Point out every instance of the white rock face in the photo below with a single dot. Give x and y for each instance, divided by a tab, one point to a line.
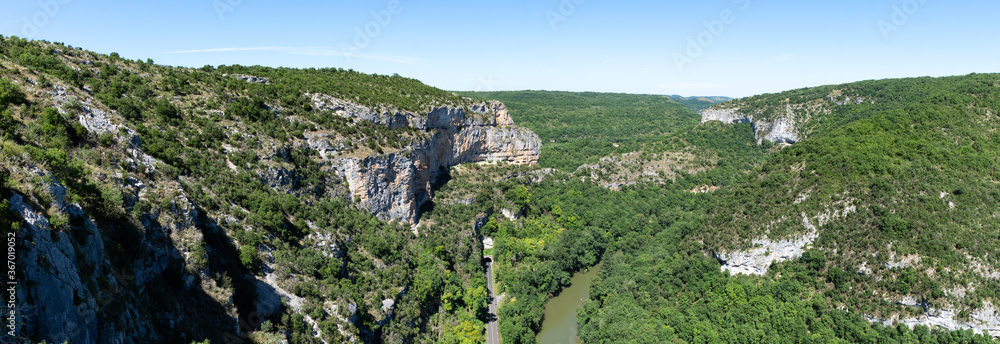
387	305
491	113
985	319
252	79
758	259
724	116
510	214
394	186
783	131
780	130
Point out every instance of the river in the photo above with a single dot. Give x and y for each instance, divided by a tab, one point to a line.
559	324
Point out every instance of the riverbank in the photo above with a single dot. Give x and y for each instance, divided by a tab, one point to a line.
559	324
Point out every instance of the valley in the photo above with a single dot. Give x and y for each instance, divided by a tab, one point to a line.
249	204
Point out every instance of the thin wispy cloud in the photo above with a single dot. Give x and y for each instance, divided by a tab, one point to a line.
311	51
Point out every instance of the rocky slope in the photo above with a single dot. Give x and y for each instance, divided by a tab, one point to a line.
73	284
162	205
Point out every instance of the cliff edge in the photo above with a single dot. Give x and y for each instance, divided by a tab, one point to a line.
393	185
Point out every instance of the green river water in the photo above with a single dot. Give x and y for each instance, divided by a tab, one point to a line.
559	324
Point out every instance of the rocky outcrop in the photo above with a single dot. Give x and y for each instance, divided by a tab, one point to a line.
757	259
252	79
985	319
395	185
491	113
781	131
97	121
788	121
73	285
724	116
70	291
391	119
777	130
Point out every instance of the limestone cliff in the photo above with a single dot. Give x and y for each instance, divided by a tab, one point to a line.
777	130
789	117
396	184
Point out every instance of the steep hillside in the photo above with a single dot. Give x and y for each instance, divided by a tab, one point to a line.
158	204
903	200
886	216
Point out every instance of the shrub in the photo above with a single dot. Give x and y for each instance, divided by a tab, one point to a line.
113	200
167	112
7	124
253	110
249	257
10	94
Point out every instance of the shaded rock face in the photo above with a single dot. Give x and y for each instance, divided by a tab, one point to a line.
394	186
60	299
57	317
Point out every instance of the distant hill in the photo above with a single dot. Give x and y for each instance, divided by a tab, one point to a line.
699	103
581	127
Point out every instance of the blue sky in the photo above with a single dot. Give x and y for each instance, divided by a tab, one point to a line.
714	47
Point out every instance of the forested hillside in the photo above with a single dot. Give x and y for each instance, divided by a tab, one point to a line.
901	198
